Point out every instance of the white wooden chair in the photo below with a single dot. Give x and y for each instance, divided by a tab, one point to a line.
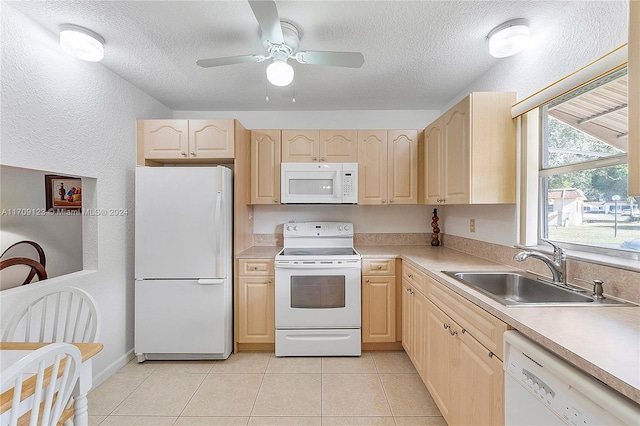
53	370
62	314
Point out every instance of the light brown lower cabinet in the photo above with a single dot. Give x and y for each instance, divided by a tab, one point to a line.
378	301
256	301
465	379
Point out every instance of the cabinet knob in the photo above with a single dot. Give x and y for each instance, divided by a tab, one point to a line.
379	266
410	275
446	326
321	158
384	201
367	280
491	354
412	292
315	158
255	267
193	154
275	200
391	201
184	154
270	281
452	332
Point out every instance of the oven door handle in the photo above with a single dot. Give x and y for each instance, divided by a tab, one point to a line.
353	265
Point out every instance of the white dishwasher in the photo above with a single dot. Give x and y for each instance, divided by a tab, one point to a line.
543	389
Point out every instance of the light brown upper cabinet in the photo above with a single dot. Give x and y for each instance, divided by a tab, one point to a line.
470	152
331	146
193	140
265	166
387	167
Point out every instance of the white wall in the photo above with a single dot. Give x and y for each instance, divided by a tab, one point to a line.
22	202
584	32
71	117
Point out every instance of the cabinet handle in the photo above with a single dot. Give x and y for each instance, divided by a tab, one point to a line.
379	266
464	331
408	289
193	154
446	326
275	200
315	158
452	332
184	154
384	201
367	280
409	275
391	201
255	267
270	281
491	354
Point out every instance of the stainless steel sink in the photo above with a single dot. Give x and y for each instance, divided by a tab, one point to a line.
525	289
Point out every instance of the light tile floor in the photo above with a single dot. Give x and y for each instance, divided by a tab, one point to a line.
377	388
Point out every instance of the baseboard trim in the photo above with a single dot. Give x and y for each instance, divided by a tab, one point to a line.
113	368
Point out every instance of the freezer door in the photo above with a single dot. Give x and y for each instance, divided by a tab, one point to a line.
183	222
183	317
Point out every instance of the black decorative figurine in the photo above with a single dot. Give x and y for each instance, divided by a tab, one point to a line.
434	224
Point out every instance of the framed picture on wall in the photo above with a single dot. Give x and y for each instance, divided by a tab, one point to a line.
62	192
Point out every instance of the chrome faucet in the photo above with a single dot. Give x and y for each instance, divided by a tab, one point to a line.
558	265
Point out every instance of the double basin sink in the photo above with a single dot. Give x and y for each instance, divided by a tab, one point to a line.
525	289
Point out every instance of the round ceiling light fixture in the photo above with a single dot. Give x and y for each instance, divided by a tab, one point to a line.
280	73
509	38
81	43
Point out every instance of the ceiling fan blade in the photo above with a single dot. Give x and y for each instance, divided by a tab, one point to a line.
229	60
337	59
266	13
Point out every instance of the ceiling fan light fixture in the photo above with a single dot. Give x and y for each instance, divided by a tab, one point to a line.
81	43
509	38
280	73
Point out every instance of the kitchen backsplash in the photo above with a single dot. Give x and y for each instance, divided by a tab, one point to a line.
620	283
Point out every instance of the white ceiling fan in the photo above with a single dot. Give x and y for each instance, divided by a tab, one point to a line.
281	39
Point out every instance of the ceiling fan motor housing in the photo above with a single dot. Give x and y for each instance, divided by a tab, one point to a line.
291	36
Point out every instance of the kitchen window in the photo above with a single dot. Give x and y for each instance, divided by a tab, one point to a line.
583	174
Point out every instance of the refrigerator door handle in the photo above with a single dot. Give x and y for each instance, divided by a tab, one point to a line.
218	232
211	281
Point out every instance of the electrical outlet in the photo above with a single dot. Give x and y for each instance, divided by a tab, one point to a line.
472	225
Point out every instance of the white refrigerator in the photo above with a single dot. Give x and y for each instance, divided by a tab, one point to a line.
183	263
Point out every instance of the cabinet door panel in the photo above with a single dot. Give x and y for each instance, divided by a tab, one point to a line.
433	165
403	166
456	154
439	352
166	139
419	326
300	145
481	393
257	315
211	138
265	166
407	312
372	167
378	309
339	146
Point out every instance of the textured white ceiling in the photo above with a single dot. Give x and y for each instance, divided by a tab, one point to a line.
418	54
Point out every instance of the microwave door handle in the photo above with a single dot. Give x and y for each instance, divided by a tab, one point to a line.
338	188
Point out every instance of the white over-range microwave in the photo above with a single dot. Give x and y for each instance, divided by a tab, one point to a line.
319	183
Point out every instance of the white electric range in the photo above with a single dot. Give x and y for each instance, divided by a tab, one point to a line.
318	291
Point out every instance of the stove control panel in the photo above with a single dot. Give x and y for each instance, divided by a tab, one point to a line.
318	229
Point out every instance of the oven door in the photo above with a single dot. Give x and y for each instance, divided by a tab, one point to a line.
317	295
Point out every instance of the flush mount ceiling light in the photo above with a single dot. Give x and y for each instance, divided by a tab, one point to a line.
509	38
280	73
81	43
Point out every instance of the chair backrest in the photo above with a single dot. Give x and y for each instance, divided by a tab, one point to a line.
63	314
21	263
53	370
